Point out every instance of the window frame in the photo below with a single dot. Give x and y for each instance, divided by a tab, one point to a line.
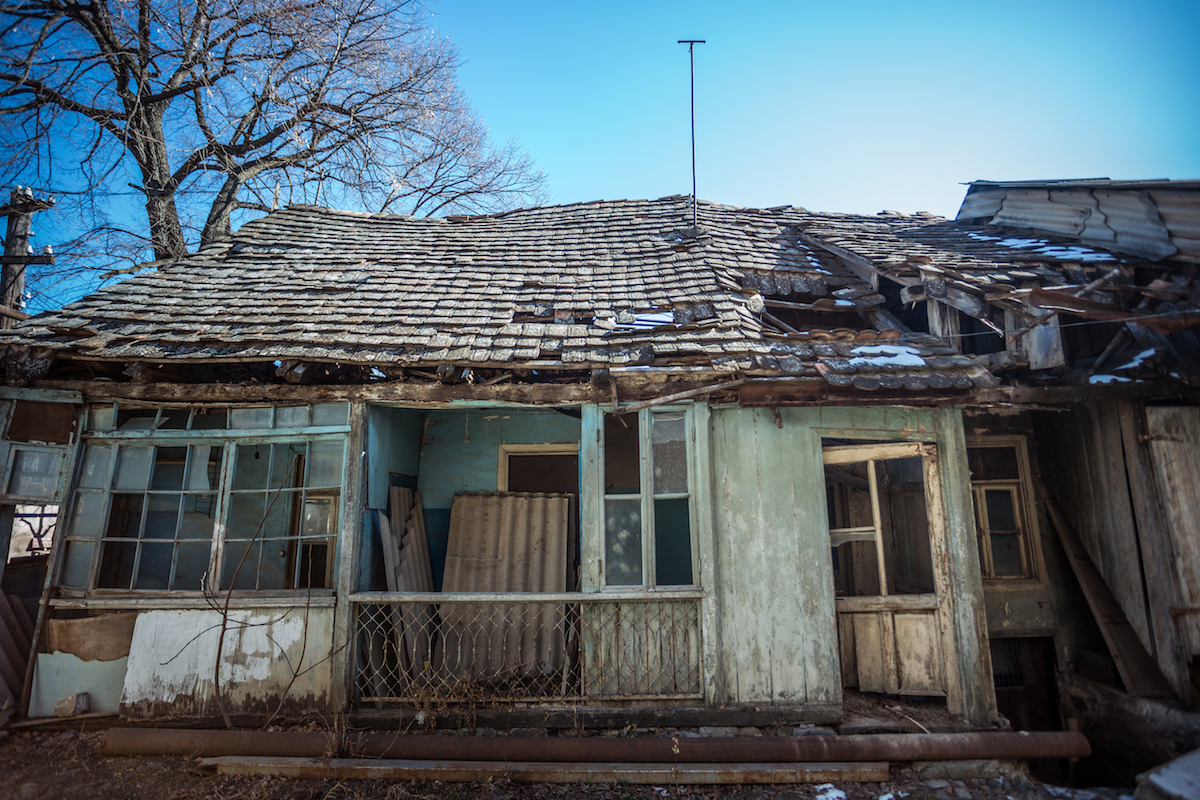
647	497
1023	509
870	453
227	440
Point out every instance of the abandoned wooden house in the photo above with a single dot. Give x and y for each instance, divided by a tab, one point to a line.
595	463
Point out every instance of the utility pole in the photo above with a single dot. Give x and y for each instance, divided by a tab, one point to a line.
17	252
691	43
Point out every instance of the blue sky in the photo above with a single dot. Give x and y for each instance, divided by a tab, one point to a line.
852	106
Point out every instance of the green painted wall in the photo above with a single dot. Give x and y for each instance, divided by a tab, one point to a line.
773	581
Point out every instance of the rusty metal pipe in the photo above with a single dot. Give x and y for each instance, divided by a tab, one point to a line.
867	747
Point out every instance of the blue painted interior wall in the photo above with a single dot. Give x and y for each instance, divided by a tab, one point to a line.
393	457
460	453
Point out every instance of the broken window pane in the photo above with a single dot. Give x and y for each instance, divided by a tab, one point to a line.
325	464
992	463
898	531
102	418
622	471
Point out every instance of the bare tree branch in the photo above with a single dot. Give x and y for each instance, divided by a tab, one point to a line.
199	110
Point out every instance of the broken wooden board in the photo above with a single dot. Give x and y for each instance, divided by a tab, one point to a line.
1139	672
550	772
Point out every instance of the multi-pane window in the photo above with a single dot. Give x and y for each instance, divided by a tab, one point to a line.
878	518
179	499
999	485
648	531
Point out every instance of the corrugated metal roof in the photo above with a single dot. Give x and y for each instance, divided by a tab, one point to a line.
1151	219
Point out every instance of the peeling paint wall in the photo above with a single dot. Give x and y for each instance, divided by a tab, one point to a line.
460	453
269	654
774	589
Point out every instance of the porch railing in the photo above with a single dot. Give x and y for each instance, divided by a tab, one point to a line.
415	649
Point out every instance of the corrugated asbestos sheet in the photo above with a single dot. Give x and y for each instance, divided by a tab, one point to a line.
1151	219
504	542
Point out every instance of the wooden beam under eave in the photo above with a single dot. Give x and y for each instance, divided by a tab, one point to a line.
391	392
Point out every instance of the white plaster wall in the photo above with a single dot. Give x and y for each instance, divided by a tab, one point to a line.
267	654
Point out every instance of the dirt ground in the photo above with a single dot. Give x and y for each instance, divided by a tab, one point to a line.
65	766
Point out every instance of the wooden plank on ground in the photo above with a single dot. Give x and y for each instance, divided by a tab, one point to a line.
1138	670
550	772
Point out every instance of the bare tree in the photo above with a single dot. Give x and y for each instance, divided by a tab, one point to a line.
211	110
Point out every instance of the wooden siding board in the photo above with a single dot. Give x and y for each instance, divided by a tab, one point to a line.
1111	536
1174	442
1155	542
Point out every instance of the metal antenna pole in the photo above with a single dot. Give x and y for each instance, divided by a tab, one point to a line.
691	43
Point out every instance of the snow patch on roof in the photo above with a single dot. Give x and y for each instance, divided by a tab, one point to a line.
1107	379
1058	251
886	355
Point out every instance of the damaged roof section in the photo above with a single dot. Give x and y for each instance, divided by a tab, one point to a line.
593	285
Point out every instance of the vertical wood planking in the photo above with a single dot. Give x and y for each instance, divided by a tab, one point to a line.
352	528
965	650
1174	442
1155	545
591	498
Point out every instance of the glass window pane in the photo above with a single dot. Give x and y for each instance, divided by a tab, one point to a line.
623	542
96	459
87	518
102	418
168	468
668	439
325	464
249	517
1006	555
125	516
191	563
317	517
116	564
154	566
250	418
1000	510
34	474
162	516
272	568
672	543
77	562
291	417
622	471
133	468
330	414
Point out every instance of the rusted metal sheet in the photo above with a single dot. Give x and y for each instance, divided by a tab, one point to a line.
1174	441
268	655
549	772
747	749
503	542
